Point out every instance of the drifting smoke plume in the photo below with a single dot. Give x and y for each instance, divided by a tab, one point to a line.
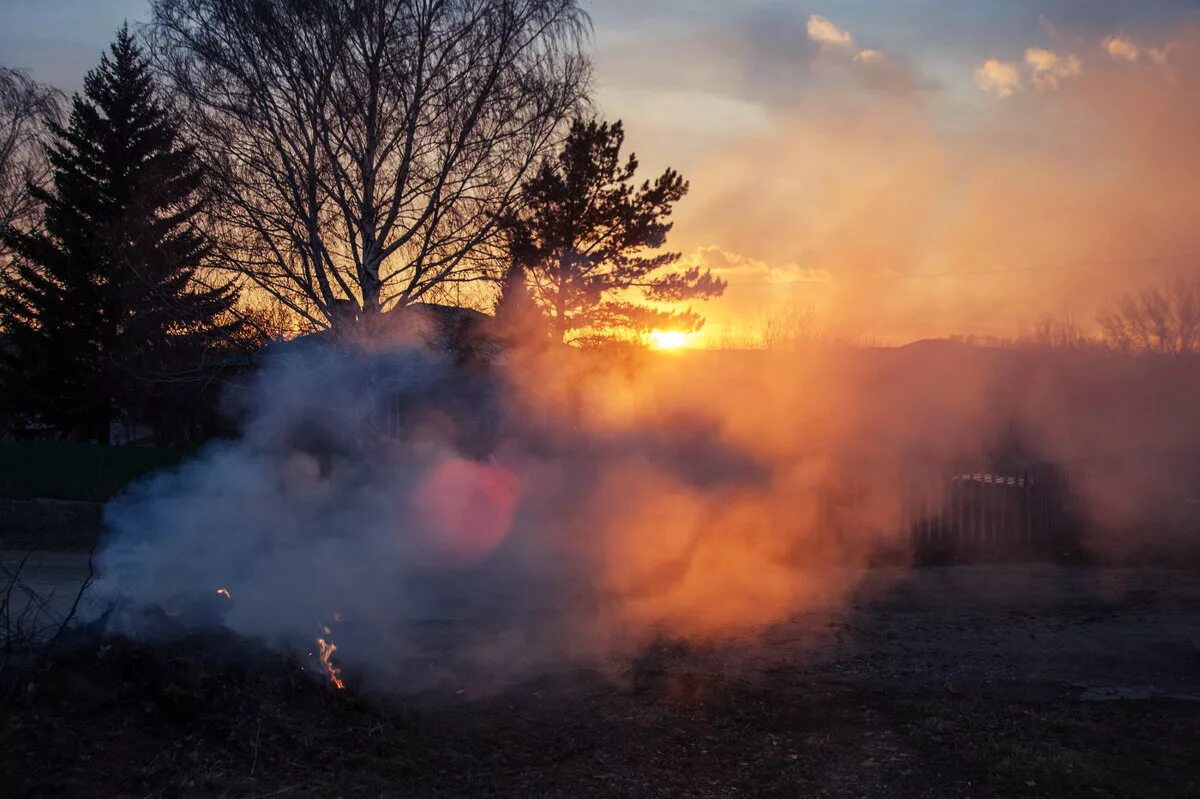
560	508
564	510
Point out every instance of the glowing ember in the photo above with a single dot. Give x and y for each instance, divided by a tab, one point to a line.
225	593
669	339
326	650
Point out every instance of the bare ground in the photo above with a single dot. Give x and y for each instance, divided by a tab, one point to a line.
959	681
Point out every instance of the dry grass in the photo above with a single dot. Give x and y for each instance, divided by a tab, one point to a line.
209	716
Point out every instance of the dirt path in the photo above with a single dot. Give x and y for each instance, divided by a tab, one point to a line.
1023	627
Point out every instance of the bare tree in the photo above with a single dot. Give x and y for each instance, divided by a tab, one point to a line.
25	109
1162	319
1054	333
364	149
791	327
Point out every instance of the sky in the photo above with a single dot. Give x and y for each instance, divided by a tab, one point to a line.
896	170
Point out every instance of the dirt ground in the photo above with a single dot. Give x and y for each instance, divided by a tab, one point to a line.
1018	680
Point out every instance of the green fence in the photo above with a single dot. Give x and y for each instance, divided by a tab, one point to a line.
84	472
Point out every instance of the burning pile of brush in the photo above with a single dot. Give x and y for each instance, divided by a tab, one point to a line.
325	648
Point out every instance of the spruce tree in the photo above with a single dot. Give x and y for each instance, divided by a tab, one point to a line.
105	319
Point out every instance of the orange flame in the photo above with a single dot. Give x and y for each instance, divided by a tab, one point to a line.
326	650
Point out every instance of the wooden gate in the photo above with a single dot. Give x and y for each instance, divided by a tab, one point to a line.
980	515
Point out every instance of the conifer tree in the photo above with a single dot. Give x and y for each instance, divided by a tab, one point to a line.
592	240
519	320
105	318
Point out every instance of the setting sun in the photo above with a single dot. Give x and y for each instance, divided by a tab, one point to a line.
669	339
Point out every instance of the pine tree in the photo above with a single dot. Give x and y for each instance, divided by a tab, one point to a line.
105	319
595	241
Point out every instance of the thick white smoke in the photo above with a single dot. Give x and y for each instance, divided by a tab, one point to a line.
319	515
438	519
401	507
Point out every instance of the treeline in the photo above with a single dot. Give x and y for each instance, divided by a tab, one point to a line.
239	172
1162	319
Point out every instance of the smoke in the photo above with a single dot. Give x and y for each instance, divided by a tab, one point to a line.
476	525
562	509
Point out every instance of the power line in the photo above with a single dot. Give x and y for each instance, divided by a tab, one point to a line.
979	273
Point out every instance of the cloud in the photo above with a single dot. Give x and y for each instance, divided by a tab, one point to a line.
761	56
827	34
1049	68
1046	71
1047	203
1122	49
823	31
999	77
746	270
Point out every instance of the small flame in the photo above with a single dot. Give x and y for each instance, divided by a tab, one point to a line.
327	648
225	593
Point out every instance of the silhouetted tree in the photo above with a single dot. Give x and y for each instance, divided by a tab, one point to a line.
1050	333
519	320
26	108
1162	319
104	317
792	327
595	239
365	149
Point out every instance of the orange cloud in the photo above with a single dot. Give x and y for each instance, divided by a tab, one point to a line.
823	31
1050	68
1122	49
999	77
741	267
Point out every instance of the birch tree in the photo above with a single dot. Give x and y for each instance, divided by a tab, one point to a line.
25	109
364	150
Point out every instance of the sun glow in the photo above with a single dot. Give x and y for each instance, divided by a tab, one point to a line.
669	339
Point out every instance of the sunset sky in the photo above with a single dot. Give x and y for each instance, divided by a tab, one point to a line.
906	169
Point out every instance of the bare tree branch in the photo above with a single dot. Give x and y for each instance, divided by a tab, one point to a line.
27	109
366	148
1163	319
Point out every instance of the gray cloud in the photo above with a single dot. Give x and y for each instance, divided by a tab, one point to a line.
763	54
